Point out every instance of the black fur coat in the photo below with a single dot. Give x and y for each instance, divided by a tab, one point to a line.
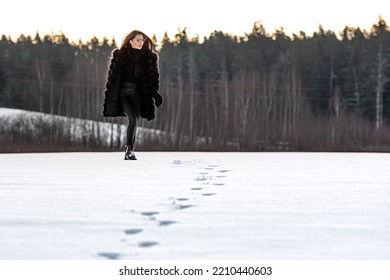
150	84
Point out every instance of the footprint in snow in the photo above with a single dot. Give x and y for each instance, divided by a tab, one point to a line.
147	244
166	223
109	255
208	194
133	231
149	214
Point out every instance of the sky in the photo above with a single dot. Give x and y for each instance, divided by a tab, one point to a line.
83	19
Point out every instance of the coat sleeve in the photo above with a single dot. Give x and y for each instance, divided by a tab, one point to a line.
108	105
156	81
151	85
111	102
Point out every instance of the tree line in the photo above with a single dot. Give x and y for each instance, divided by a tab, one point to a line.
261	91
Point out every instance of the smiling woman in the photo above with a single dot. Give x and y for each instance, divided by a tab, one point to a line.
82	19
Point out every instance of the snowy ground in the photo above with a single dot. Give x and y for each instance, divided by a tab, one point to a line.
195	206
77	130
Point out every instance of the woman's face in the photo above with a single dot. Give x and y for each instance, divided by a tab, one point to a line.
137	42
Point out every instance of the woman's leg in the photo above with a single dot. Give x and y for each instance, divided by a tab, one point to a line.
131	107
132	118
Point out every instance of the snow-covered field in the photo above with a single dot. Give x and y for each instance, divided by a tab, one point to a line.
77	130
195	206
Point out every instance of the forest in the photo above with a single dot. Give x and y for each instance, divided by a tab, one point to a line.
326	91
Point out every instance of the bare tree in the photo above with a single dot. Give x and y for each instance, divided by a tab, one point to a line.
380	81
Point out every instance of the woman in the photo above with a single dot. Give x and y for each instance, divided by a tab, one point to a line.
132	85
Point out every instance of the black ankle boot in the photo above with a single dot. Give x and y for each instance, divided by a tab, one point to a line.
129	153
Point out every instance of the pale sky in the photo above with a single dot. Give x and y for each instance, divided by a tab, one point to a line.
115	18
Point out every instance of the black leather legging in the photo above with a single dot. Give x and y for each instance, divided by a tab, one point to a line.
131	106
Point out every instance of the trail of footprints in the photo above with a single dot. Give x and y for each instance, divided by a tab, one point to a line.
209	179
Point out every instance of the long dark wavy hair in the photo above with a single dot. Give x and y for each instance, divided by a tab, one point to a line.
148	44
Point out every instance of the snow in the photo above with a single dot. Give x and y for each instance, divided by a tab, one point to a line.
176	205
30	122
